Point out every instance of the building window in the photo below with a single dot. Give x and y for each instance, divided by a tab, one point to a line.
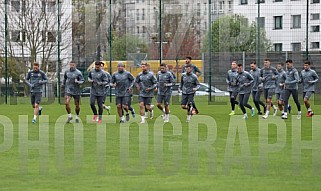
260	1
315	1
205	8
51	36
137	30
15	36
143	14
315	16
144	29
221	6
261	22
48	6
230	4
15	5
198	13
315	45
277	22
278	0
137	1
278	47
243	2
296	21
315	28
137	14
296	47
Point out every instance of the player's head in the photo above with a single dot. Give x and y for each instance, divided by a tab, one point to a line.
120	66
307	64
98	65
163	67
267	63
36	66
280	66
233	65
188	59
144	66
188	69
253	65
239	68
72	65
289	63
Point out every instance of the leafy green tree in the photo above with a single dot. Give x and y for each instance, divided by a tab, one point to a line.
235	34
126	44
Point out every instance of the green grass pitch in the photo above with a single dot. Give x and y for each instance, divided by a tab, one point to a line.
213	152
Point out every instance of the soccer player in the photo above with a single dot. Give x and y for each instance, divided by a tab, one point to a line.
232	87
291	88
309	78
268	76
146	83
189	85
256	89
123	82
245	81
98	79
150	71
279	89
73	78
195	69
35	79
165	81
107	86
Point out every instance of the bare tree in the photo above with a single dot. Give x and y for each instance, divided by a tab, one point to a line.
33	31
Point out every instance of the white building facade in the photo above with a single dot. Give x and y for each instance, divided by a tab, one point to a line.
285	22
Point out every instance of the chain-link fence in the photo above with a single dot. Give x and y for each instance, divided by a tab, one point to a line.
56	32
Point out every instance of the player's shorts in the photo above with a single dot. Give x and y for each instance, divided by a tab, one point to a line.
307	95
163	99
268	93
233	94
280	96
187	98
76	97
145	100
122	100
35	97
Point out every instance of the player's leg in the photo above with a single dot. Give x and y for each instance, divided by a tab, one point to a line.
149	106
166	107
77	106
67	105
241	104
100	108
287	94
247	105
295	95
306	98
34	105
142	109
93	107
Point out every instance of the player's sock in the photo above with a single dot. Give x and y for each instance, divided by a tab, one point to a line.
35	117
69	115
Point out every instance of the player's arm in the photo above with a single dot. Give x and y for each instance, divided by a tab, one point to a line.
65	79
27	81
131	80
250	77
90	79
315	77
80	79
197	85
198	71
154	82
44	78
